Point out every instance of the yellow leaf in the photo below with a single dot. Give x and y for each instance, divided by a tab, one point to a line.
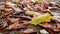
35	1
40	19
